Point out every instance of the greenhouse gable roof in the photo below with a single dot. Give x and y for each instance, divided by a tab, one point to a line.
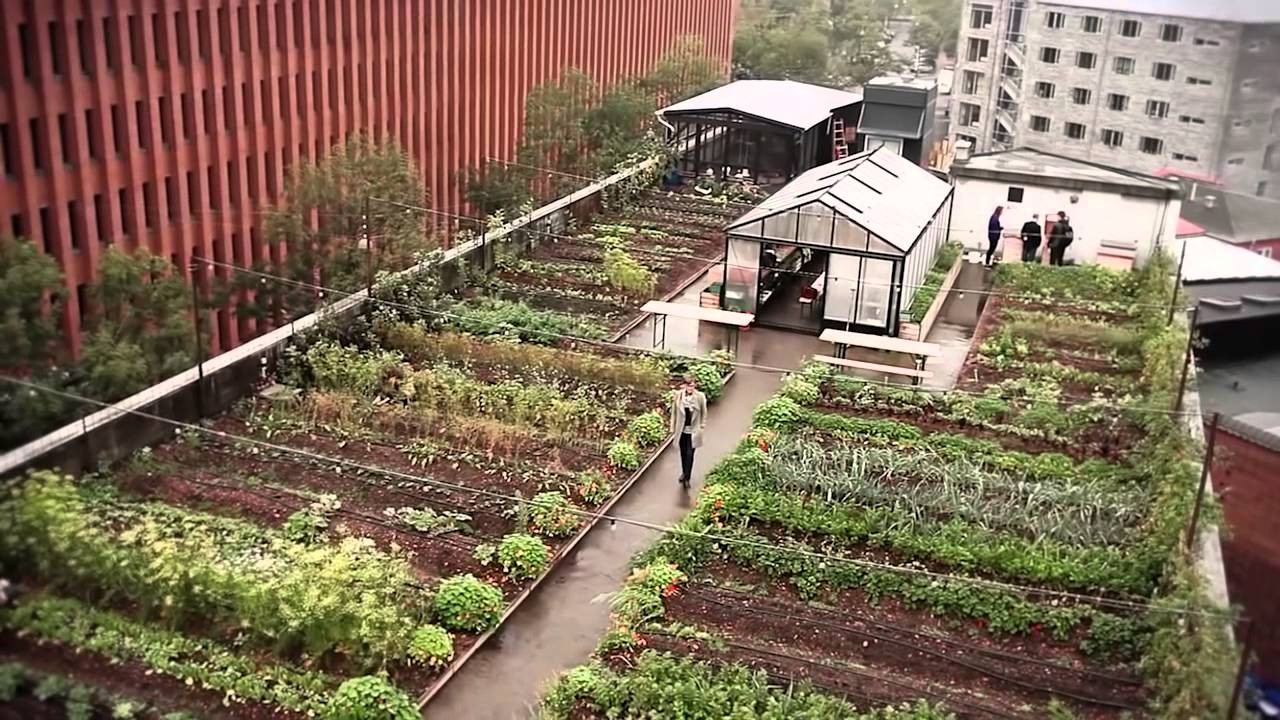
879	190
785	102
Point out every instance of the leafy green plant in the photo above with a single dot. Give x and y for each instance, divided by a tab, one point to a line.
467	603
80	701
51	687
551	514
337	367
309	524
707	378
641	597
490	316
627	274
371	697
431	645
429	520
799	389
12	677
126	709
623	454
593	487
523	557
777	413
647	430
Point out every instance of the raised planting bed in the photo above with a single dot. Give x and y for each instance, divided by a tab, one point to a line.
858	561
381	512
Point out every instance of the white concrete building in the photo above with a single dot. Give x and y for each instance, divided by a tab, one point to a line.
1117	216
1137	84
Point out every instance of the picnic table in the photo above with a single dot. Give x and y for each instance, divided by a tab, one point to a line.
843	339
733	322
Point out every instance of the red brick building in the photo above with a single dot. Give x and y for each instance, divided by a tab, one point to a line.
167	123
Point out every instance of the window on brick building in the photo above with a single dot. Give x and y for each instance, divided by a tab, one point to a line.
126	212
110	43
84	46
182	36
143	117
264	39
27	48
282	95
251	174
39	144
242	19
64	138
57	48
193	193
224	31
172	202
135	41
188	115
6	151
75	221
16	226
166	120
211	180
246	100
101	218
159	39
228	108
47	231
282	28
203	33
148	205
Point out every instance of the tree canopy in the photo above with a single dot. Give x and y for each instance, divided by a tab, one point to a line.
30	300
837	42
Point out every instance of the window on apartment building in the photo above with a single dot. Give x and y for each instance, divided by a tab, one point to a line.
1049	55
1256	46
188	114
117	128
1122	65
300	93
1261	191
39	143
251	175
101	218
1117	102
166	120
203	33
148	205
64	137
1150	145
269	167
211	182
299	33
1206	41
6	151
264	38
143	117
224	31
1162	71
264	99
1157	109
978	50
1055	20
1171	32
84	46
92	131
1130	28
1086	60
970	115
1183	157
27	48
1112	138
282	95
1044	90
172	203
228	107
246	103
126	212
1235	161
136	52
47	231
1091	24
969	82
1040	123
1081	96
1192	80
233	184
333	89
1271	157
110	43
182	36
193	193
57	48
1241	123
980	17
242	19
159	38
1074	130
282	28
1190	120
17	228
75	224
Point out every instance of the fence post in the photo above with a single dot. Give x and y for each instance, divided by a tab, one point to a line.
1246	648
1177	283
1204	479
1186	360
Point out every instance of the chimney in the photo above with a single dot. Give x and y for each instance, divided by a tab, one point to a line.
963	149
1210	201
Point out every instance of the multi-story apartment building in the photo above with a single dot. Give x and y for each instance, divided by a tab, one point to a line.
169	124
1137	84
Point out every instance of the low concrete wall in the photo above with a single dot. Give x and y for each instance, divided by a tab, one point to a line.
931	316
140	420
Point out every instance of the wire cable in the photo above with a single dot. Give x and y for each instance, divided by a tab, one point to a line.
1098	600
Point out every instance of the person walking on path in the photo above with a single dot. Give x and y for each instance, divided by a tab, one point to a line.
1031	239
1060	238
688	420
994	229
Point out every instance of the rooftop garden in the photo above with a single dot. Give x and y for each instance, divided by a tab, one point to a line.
1012	548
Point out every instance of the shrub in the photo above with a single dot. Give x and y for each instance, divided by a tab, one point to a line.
489	316
371	697
799	389
551	514
624	454
467	603
335	367
648	429
52	687
79	705
707	378
627	274
593	487
431	645
777	413
11	679
523	557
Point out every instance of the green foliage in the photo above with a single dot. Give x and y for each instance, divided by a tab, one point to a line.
80	701
648	429
431	645
338	367
523	557
198	661
124	709
777	413
490	316
12	678
707	378
928	290
467	603
623	454
640	598
182	564
31	291
51	687
593	487
840	43
937	24
551	514
309	524
371	697
669	686
797	388
627	274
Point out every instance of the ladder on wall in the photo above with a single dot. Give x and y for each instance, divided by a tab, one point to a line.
839	146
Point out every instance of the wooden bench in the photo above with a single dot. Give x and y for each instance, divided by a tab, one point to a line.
732	321
874	367
921	351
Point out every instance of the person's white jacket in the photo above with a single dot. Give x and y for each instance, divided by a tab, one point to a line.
699	414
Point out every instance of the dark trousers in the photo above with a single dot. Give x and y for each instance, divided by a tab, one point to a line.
1029	251
992	242
1055	253
686	455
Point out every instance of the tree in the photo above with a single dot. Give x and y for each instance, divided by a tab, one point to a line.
143	327
839	42
858	39
937	24
31	289
361	188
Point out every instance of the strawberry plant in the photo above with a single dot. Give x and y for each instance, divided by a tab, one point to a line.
467	603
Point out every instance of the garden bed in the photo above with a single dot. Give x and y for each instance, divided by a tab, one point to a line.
420	483
942	554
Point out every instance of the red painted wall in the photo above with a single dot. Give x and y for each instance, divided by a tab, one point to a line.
168	124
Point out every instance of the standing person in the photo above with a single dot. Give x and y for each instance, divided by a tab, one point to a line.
688	419
993	234
1031	238
1060	237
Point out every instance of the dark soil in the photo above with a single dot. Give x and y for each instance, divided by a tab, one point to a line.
870	638
130	679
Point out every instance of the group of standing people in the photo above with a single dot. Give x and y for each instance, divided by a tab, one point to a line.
1061	235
